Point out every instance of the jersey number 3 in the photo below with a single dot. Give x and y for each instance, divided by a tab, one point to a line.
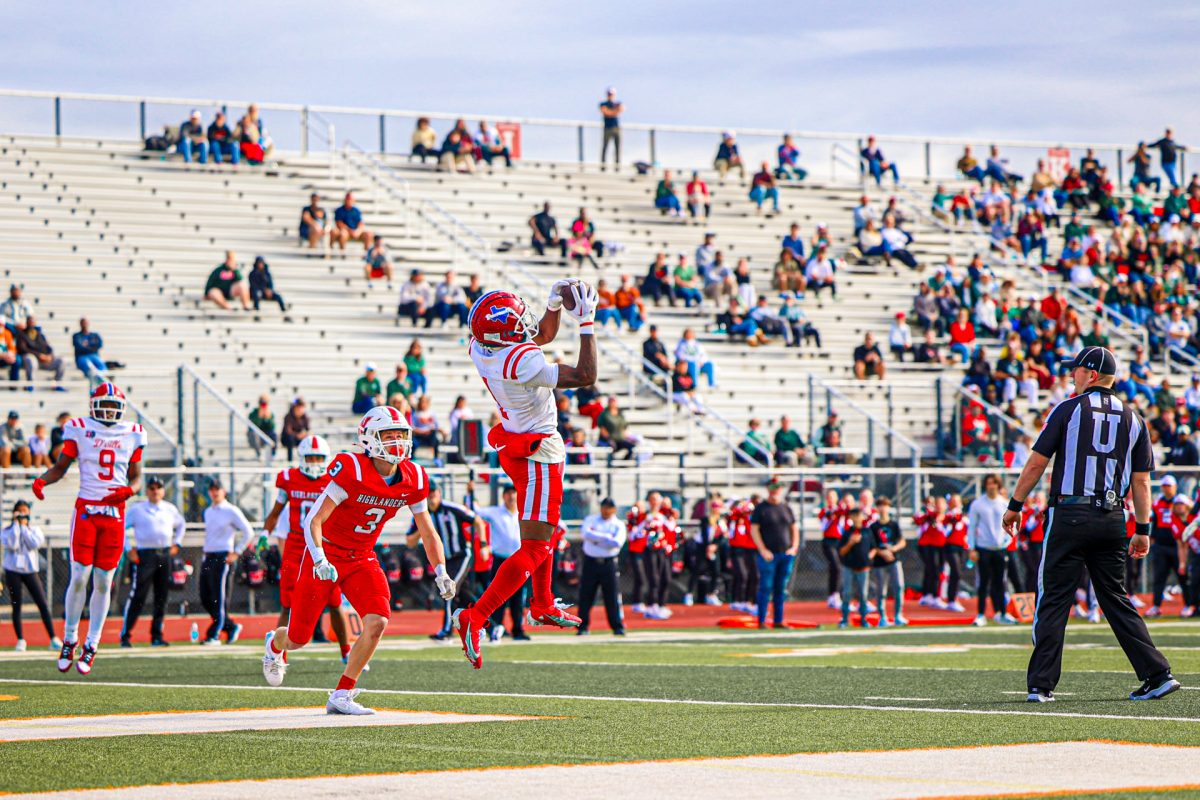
373	517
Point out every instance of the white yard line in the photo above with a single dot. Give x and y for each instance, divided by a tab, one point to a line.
1044	769
610	699
903	699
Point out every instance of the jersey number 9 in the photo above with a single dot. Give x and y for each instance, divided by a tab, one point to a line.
108	461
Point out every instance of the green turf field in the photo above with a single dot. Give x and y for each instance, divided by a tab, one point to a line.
649	696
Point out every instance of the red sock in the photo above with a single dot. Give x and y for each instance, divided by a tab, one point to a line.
345	650
274	649
346	683
512	575
543	594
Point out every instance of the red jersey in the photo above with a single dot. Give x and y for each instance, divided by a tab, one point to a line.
1178	524
928	533
1033	525
739	526
367	501
637	534
299	493
832	519
955	528
1160	512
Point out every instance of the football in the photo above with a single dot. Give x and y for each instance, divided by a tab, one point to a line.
567	295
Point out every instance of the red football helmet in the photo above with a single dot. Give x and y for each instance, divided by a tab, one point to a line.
108	403
502	318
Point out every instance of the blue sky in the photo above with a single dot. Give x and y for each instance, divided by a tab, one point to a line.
1071	70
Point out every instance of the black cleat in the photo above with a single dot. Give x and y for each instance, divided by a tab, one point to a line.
1040	696
126	643
159	643
1155	688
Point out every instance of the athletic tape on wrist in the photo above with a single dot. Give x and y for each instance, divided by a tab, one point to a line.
439	570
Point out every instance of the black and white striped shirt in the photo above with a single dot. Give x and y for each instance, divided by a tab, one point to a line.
448	521
1097	442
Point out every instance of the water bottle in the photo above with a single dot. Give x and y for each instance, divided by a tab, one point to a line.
195	634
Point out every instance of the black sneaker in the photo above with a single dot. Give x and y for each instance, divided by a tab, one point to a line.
159	643
1155	688
126	643
1040	696
440	636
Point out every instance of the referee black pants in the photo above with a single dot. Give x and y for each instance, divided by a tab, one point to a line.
214	594
151	571
1078	537
602	574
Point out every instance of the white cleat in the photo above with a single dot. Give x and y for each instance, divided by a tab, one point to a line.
341	701
980	621
274	666
21	646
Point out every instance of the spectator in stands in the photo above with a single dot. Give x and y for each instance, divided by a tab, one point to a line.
968	165
56	435
683	388
545	232
262	285
987	315
252	137
424	141
491	144
706	253
377	263
665	199
34	349
654	352
685	283
794	241
776	534
348	225
729	157
15	309
225	283
582	228
606	304
220	140
296	426
263	418
312	221
737	322
628	302
698	197
819	272
790	450
13	443
1041	179
414	359
399	385
864	212
192	140
367	391
610	110
868	360
449	300
10	361
1031	233
691	352
1168	155
877	164
755	447
474	289
997	168
926	352
763	188
925	307
457	153
789	274
426	432
789	157
895	244
87	346
1141	169
719	281
799	329
962	336
900	337
39	447
656	285
744	282
416	299
616	429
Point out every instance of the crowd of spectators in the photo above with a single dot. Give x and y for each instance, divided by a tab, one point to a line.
246	141
460	150
38	448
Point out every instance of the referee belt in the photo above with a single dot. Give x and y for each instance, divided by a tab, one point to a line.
1105	503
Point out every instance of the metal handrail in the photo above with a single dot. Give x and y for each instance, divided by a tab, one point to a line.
993	410
854	166
233	410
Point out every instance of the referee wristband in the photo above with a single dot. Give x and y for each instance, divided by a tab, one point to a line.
1141	529
1016	506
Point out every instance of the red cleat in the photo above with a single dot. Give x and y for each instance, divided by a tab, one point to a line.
470	629
556	615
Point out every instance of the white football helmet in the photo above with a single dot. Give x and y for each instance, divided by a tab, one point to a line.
374	423
311	446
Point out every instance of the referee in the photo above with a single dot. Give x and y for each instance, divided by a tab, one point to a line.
158	530
1101	451
450	520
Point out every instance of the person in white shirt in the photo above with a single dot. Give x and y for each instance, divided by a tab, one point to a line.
988	543
818	273
900	337
505	526
604	535
158	529
21	542
449	300
416	299
690	351
223	521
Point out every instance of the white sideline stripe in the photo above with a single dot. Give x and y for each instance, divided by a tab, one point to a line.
1045	768
607	699
903	699
256	719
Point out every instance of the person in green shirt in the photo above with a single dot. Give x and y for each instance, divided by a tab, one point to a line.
756	446
367	392
399	385
414	360
686	283
1096	337
614	425
1075	229
1176	203
225	283
789	447
263	419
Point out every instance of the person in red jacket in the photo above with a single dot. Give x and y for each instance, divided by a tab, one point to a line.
1031	535
930	541
742	553
954	526
832	516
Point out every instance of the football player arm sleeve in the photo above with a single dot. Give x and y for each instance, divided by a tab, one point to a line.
322	508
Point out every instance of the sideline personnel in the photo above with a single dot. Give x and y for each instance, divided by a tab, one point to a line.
158	530
1101	451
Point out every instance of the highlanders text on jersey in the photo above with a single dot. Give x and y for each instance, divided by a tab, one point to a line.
522	384
366	502
300	493
103	452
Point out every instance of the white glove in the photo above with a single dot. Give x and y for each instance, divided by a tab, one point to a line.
444	583
324	571
586	300
554	301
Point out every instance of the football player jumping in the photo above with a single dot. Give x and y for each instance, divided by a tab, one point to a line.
505	346
299	489
109	452
365	490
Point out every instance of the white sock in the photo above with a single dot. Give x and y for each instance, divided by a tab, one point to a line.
76	594
98	607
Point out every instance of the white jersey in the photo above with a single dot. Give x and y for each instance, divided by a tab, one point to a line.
522	384
104	453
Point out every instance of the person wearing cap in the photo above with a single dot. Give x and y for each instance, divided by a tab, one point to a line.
604	535
367	391
1101	452
21	543
776	534
223	522
13	443
729	157
900	337
610	111
193	141
158	530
